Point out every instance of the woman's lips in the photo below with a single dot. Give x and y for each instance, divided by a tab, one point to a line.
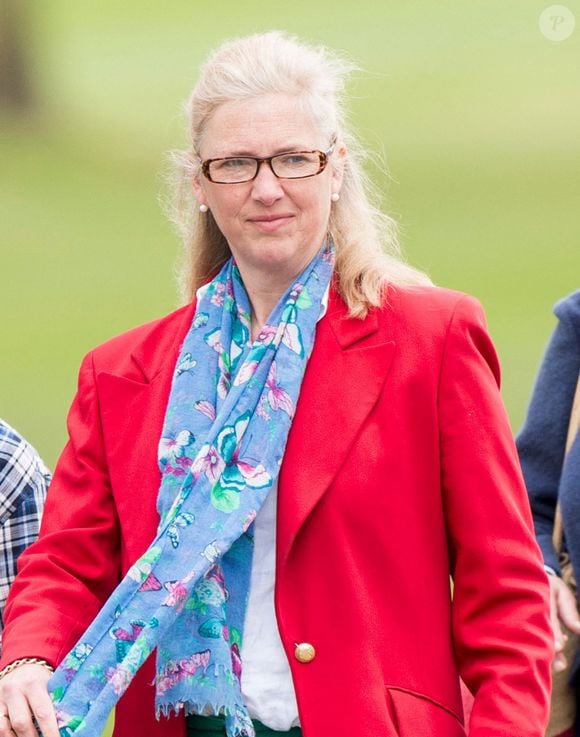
270	223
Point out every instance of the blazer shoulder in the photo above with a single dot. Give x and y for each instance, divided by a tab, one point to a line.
431	309
151	341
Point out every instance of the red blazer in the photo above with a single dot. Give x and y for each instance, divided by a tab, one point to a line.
399	471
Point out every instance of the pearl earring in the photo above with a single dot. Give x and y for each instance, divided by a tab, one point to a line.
203	208
335	197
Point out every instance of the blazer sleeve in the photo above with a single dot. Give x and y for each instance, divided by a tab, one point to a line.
500	617
66	575
542	440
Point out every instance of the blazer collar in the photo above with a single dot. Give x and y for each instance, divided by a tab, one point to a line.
348	330
159	349
158	352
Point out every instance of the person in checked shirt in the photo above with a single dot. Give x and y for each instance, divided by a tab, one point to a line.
24	480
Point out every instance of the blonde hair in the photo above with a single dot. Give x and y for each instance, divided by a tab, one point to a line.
368	256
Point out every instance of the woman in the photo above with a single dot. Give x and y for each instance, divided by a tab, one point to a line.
398	469
552	478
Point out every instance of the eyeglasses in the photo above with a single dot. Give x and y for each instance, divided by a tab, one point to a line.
289	165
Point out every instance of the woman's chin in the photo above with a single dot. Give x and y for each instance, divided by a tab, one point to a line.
278	259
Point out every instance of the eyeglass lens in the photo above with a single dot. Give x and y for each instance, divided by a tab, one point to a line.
292	165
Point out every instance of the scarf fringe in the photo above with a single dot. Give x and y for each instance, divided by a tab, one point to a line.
188	708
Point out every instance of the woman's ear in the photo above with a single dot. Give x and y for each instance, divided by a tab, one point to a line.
198	192
338	163
193	167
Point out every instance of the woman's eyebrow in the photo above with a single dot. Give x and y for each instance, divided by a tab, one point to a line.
279	150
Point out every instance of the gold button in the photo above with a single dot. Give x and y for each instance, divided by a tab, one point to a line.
304	652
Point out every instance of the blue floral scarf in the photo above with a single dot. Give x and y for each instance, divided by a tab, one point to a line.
227	421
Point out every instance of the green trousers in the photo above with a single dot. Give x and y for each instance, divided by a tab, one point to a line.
213	726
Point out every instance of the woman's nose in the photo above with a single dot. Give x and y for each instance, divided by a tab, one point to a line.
266	187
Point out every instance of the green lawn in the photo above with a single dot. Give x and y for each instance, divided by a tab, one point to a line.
475	113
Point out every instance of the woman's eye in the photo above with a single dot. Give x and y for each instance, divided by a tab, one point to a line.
234	163
294	159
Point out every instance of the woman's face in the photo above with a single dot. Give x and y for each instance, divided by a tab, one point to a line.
270	224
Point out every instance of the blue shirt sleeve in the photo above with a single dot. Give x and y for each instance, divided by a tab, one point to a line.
542	440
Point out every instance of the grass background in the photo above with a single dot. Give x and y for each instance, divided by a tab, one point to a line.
475	113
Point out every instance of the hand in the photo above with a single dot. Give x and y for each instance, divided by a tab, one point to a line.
563	611
24	696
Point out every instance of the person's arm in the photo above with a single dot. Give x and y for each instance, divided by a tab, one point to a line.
24	480
541	445
67	574
542	440
500	601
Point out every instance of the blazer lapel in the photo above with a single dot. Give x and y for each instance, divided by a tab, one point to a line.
133	404
342	383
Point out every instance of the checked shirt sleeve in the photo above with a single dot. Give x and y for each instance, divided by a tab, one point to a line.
24	480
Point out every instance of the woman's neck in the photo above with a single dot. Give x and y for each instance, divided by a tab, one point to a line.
265	290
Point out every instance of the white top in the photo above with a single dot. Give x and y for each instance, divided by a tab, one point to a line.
267	685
